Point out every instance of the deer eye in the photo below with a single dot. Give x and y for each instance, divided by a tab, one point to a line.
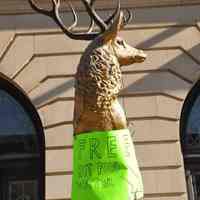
121	43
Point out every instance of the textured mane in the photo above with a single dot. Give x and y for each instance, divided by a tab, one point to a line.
99	79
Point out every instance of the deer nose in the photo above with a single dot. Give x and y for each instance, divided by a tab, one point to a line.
140	56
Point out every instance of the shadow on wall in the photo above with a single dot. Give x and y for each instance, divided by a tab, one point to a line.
54	92
152	82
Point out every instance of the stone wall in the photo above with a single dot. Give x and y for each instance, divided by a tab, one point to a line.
35	54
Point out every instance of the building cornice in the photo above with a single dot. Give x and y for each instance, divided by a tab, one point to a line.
22	6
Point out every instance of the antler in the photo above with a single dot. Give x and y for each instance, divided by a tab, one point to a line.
126	19
129	18
54	14
95	18
91	11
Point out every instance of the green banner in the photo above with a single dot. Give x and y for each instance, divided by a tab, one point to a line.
105	167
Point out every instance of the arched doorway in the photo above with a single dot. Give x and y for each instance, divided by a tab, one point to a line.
22	153
190	140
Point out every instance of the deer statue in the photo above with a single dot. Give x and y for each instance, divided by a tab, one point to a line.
98	79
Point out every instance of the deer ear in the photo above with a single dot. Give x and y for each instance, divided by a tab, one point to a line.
115	27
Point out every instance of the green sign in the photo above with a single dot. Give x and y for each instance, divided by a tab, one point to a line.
105	167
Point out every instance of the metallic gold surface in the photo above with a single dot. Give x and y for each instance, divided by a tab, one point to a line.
99	80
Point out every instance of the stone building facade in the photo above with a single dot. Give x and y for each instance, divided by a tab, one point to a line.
39	58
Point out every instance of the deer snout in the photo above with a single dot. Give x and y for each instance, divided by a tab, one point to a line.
140	56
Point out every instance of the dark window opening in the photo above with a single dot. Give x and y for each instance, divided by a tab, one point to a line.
21	146
190	136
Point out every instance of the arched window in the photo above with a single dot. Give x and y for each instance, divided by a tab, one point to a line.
21	146
190	136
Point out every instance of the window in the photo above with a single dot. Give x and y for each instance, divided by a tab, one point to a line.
190	136
21	146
